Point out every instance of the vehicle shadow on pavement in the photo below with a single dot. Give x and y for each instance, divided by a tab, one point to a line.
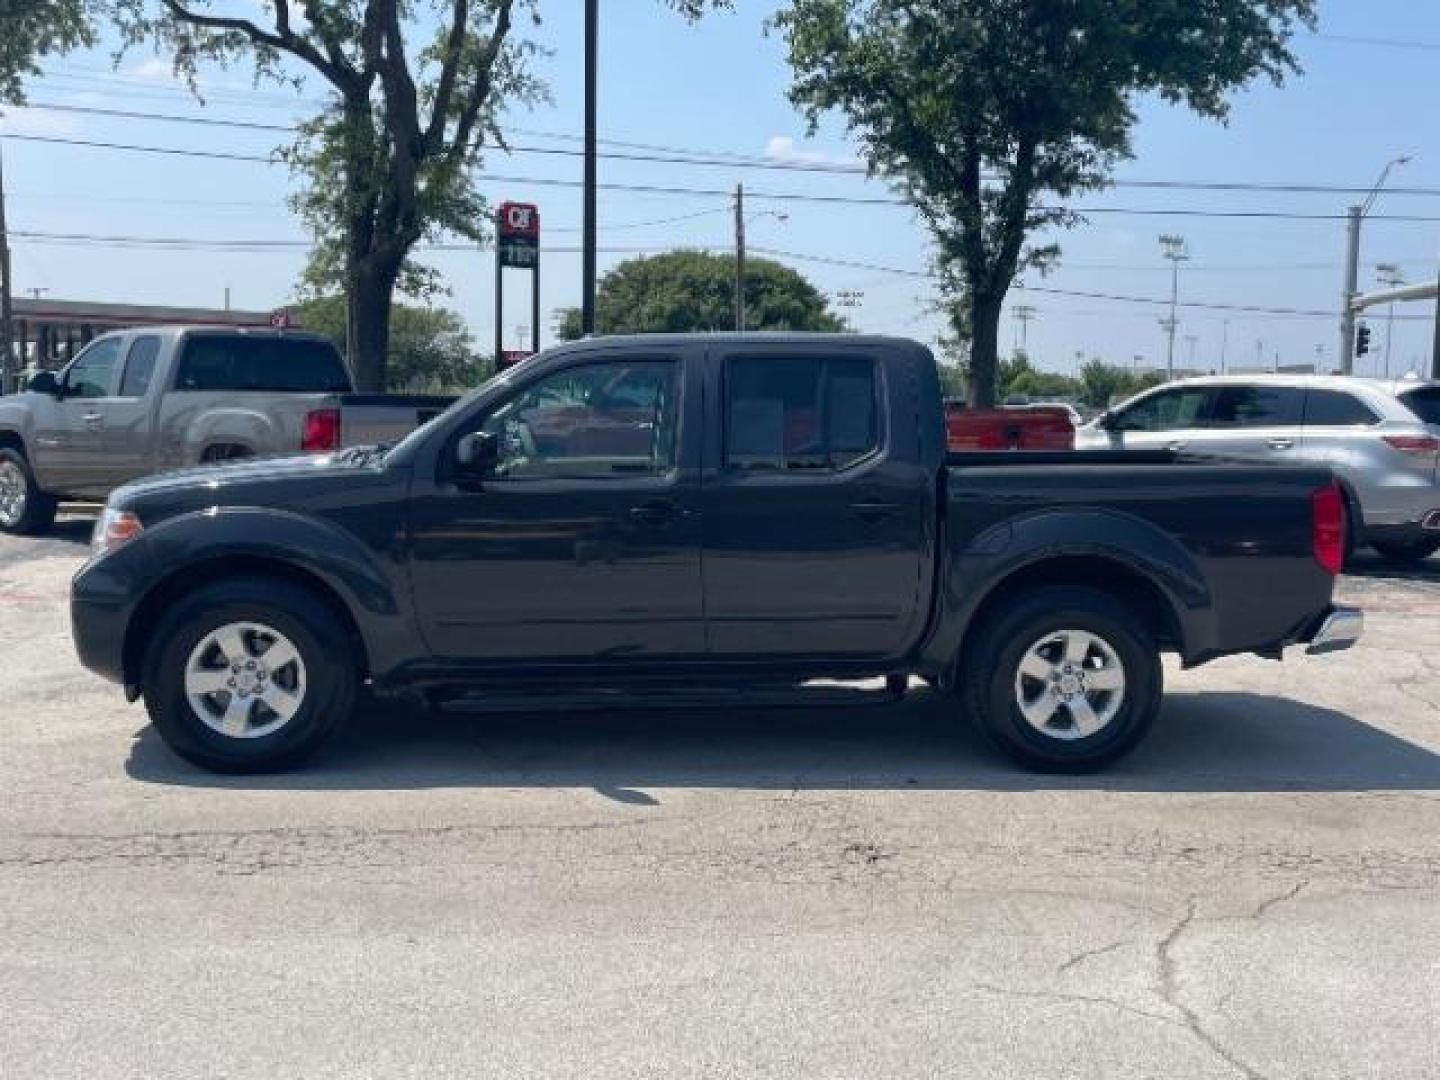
1205	742
1371	567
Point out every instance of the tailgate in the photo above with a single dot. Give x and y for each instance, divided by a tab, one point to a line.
367	419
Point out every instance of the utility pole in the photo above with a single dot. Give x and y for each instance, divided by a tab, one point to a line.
740	257
1174	249
7	314
1192	340
587	240
1389	274
1224	344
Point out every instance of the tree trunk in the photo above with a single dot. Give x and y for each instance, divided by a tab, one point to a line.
984	349
370	306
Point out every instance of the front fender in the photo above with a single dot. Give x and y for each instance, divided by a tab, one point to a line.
1015	546
370	584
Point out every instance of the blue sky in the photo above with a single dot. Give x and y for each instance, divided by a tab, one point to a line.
719	86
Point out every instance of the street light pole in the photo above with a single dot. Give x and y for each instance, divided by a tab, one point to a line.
1174	249
7	315
587	239
1352	266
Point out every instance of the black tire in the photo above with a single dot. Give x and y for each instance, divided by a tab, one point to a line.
992	667
37	509
1406	552
324	646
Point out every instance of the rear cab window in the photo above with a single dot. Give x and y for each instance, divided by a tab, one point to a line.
797	414
260	363
1424	403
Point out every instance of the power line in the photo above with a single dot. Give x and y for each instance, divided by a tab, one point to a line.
721	193
183	243
669	155
1389	43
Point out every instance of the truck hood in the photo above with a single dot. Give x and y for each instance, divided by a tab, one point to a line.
259	481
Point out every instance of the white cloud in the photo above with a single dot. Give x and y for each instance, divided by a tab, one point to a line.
783	148
19	121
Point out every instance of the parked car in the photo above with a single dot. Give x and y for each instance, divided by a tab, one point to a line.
1010	427
1381	438
141	401
782	509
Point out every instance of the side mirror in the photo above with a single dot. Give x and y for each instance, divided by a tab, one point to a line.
44	382
478	453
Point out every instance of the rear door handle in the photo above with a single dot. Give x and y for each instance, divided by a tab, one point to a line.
656	512
1280	443
93	419
1175	445
874	511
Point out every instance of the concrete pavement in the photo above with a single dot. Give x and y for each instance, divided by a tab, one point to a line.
866	893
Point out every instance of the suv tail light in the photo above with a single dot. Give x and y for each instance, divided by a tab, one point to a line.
321	431
1327	527
1413	444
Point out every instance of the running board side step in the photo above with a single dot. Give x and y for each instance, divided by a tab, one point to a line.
632	698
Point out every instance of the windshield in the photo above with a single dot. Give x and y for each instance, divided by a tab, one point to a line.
1424	403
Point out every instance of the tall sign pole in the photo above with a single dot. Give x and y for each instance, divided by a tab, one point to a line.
587	240
517	244
7	313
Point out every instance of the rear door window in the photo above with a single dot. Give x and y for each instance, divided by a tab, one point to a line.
139	367
1424	403
1255	407
275	364
800	413
1335	408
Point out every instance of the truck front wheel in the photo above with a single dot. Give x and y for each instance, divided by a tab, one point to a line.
1066	679
249	675
24	509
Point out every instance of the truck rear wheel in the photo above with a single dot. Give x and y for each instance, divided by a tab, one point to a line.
25	510
249	675
1066	679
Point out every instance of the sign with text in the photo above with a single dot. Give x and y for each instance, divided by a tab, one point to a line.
511	357
518	241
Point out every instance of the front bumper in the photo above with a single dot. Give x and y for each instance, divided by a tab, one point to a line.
1338	629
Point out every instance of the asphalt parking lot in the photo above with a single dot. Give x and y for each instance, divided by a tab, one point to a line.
860	893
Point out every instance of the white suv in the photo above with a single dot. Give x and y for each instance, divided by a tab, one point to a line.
1381	439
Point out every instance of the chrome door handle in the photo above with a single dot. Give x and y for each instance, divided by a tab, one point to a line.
93	419
1175	446
1280	443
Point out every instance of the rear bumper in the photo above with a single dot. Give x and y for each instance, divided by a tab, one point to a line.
1338	629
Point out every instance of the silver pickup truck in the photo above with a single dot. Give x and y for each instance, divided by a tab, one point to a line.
142	401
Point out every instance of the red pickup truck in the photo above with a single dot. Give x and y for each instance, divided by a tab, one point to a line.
1011	427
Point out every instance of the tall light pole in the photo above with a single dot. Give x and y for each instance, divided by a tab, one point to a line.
587	211
1389	274
1174	249
1192	340
1022	314
7	315
1352	265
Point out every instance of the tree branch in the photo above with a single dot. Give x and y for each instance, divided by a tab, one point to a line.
480	92
226	23
445	88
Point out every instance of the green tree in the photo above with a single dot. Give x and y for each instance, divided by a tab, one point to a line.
686	291
429	348
977	109
31	30
1102	383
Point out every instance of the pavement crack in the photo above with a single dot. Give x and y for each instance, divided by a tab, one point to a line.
1090	954
1170	990
1075	999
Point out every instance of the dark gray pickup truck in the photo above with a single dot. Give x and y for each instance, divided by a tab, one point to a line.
693	517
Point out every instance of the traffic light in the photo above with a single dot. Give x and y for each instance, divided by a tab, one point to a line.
1362	340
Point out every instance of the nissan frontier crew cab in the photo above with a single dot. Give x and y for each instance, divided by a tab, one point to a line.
679	515
136	402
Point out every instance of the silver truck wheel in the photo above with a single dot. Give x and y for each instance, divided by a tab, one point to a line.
14	494
245	680
1070	684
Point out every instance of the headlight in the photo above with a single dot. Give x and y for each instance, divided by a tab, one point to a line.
114	529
